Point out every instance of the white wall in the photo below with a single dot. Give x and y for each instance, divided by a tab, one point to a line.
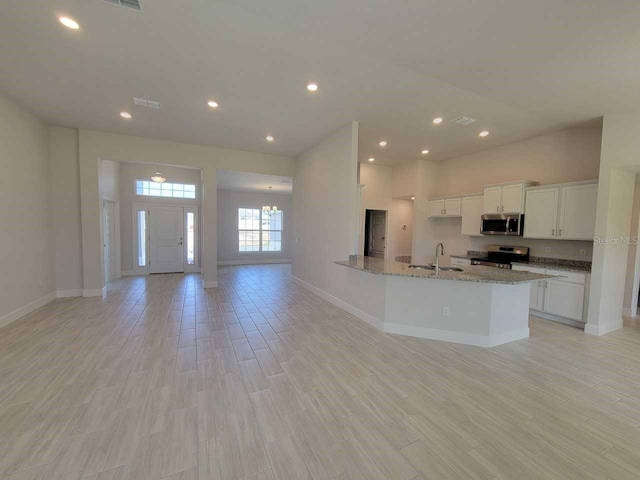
375	195
65	203
633	260
129	173
26	241
229	202
109	179
400	240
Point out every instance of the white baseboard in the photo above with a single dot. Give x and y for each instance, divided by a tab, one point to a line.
7	318
96	292
213	284
457	337
603	329
252	262
356	312
69	293
627	312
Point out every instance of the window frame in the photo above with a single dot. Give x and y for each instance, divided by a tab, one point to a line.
260	232
142	195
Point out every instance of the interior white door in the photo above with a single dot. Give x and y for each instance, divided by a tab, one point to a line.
379	222
166	239
511	199
578	212
541	213
110	241
472	215
492	199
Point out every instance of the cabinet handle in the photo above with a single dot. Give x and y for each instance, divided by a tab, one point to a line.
445	211
560	232
502	208
441	212
498	209
553	232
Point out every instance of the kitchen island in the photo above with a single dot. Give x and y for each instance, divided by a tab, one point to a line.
481	306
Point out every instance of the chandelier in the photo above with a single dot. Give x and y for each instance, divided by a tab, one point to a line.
158	177
269	209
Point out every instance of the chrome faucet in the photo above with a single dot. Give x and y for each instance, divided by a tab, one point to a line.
441	247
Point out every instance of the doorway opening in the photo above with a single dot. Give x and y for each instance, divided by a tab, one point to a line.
375	233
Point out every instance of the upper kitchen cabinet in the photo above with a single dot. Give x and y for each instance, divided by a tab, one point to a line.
563	212
505	198
472	215
445	207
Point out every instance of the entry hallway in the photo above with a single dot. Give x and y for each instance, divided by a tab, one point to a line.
262	380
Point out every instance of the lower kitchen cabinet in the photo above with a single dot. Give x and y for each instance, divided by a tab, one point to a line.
559	298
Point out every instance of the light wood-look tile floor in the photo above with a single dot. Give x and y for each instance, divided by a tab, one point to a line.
261	380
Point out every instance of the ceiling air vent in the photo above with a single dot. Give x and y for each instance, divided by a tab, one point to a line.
143	102
464	121
132	4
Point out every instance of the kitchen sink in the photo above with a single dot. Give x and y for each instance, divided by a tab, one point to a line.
431	266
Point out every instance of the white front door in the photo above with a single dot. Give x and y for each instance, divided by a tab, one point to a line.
166	239
110	241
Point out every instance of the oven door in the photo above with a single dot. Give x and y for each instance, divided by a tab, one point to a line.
494	224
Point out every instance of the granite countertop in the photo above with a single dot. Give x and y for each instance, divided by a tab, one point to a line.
551	263
478	274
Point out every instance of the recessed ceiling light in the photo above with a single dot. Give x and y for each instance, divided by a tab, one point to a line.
413	198
212	104
438	120
312	87
270	138
383	143
372	159
484	133
69	23
126	115
424	152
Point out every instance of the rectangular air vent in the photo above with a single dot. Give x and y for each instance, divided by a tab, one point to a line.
143	102
132	4
464	121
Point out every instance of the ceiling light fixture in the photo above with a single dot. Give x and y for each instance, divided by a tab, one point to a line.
312	87
413	198
270	138
69	23
438	120
372	159
158	177
424	152
483	133
126	115
383	143
212	104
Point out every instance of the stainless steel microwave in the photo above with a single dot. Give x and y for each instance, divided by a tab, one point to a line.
502	224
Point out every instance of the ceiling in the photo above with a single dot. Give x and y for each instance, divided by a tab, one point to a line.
520	67
254	182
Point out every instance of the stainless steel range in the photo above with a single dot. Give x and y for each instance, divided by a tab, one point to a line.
502	256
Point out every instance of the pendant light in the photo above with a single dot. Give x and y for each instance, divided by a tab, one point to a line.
158	177
269	209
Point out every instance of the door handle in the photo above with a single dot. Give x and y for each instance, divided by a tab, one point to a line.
180	243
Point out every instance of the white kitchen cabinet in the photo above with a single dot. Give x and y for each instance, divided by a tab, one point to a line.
559	298
492	200
436	208
505	198
564	299
472	215
452	207
578	212
445	207
541	213
563	212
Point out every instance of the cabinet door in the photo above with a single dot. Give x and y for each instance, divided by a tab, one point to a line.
436	208
541	213
492	200
578	212
564	299
472	215
452	207
512	199
536	301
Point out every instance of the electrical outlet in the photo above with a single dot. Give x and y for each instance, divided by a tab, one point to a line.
445	311
547	249
583	252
